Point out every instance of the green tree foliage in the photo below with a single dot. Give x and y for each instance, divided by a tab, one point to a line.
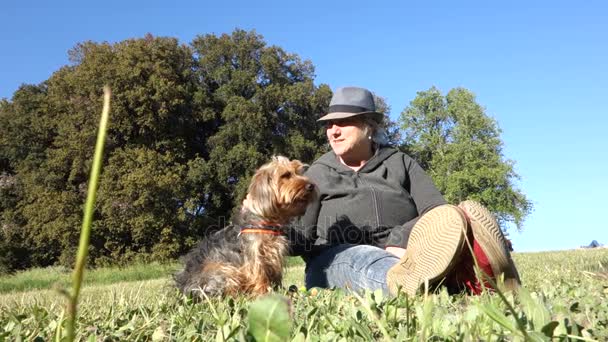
459	145
189	124
262	102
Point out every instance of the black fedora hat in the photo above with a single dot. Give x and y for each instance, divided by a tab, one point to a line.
351	101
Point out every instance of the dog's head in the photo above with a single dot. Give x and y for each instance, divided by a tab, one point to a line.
278	190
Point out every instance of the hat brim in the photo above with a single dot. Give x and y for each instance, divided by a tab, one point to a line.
343	115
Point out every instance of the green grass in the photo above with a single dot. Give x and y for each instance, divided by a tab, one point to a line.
57	277
565	297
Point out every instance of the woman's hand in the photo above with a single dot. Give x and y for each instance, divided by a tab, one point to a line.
398	251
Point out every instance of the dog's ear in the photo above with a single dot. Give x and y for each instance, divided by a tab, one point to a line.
262	193
298	166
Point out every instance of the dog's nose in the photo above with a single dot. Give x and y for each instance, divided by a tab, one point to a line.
310	187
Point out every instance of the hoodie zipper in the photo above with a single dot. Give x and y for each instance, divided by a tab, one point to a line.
374	198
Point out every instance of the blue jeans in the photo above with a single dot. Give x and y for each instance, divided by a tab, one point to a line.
354	267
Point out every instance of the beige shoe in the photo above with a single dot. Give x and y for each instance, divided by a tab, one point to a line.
433	248
488	235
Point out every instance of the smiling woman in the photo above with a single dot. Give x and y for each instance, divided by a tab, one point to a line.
379	221
350	140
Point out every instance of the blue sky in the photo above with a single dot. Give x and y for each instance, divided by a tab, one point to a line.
539	68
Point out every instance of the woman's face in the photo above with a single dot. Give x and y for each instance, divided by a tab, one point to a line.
347	136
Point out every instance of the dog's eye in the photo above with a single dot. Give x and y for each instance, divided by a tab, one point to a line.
286	175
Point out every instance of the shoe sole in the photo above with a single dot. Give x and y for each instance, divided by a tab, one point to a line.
490	238
434	244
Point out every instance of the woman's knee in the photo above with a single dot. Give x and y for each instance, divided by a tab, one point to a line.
343	262
362	256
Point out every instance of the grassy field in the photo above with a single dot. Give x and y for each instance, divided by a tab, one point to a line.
565	297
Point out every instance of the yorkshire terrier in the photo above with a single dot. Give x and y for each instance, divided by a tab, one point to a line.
247	256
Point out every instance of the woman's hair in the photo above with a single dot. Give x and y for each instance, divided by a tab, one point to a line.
375	131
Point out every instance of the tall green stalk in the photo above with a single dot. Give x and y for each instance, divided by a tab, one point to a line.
85	232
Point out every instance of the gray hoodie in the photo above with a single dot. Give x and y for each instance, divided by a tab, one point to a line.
377	205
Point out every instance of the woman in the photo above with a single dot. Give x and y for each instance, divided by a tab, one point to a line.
379	221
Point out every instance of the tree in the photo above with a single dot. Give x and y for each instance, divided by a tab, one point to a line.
261	102
460	147
25	133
